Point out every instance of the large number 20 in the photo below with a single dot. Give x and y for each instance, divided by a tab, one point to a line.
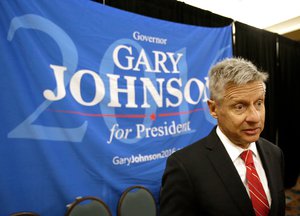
27	129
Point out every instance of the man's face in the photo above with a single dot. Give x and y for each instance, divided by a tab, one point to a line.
241	114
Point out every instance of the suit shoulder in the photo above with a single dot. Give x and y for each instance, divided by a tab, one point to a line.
191	149
266	144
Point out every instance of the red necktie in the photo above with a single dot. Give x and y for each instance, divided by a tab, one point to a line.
257	193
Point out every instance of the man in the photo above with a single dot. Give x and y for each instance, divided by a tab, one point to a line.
210	177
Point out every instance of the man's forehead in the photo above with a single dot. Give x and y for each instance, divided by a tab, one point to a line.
254	88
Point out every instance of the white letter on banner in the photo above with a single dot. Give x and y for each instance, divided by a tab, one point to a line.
205	98
174	91
175	61
142	60
76	92
158	98
114	91
187	92
129	59
61	89
140	128
160	62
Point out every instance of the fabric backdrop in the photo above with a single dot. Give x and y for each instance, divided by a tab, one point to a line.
94	99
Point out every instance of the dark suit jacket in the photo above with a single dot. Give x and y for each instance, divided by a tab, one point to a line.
201	179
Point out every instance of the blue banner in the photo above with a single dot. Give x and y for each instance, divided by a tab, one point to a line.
94	99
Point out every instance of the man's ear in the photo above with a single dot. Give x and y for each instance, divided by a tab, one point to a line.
212	108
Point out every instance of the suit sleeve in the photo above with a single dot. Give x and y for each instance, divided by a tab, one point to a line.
176	197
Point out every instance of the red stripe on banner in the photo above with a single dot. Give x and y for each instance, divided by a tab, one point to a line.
179	113
101	115
125	115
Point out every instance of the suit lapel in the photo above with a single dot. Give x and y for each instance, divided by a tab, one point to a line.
223	165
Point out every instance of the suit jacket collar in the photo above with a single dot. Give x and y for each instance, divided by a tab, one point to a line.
223	165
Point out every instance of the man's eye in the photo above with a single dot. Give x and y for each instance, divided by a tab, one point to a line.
239	106
259	104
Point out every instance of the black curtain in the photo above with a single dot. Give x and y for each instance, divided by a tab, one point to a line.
288	92
259	46
170	10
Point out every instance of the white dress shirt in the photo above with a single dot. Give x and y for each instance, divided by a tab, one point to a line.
234	152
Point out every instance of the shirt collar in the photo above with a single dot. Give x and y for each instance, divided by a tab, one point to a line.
233	150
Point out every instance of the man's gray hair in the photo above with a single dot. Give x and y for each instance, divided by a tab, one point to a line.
234	70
